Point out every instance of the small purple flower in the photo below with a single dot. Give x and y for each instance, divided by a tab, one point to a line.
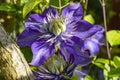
58	69
47	32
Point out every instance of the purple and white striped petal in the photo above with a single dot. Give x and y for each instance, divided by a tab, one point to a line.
78	26
35	21
90	32
92	46
27	37
73	11
49	14
37	18
70	46
41	51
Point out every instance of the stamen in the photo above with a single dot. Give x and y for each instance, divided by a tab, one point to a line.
57	25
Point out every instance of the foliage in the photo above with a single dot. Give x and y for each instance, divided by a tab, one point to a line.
89	18
113	37
29	6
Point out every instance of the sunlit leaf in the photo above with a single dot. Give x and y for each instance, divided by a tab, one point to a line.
22	2
99	65
89	18
116	60
87	77
101	60
29	6
74	77
113	37
105	71
104	61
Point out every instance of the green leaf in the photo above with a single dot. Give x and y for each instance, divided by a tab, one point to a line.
106	70
104	61
99	65
89	18
27	53
114	72
56	2
115	50
74	77
22	2
29	6
7	7
116	60
64	2
101	60
87	77
113	37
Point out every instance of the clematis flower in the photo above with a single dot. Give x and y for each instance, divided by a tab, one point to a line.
58	69
50	31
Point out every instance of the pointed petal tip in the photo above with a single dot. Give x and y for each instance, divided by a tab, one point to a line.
92	46
73	11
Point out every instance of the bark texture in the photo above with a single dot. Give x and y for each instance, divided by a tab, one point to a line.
13	65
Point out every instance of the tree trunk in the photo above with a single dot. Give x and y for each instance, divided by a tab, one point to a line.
13	65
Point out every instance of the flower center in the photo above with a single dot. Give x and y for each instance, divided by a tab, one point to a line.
57	26
56	65
58	69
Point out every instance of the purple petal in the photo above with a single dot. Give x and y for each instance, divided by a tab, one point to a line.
27	37
99	36
35	18
51	11
70	46
35	21
82	60
38	26
36	74
92	46
49	14
41	51
90	33
83	25
78	26
80	74
74	10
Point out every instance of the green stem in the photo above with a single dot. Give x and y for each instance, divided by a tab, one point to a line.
65	5
60	7
85	7
105	26
55	7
